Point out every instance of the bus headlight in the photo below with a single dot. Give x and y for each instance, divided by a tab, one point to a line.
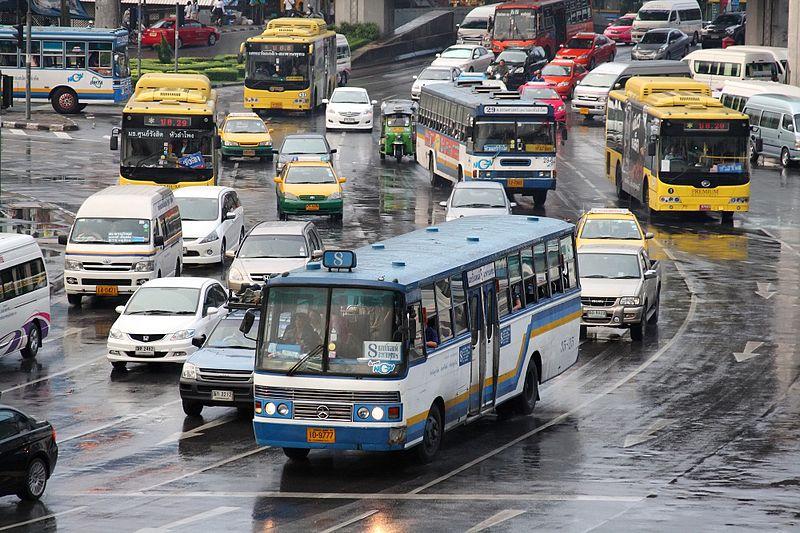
72	264
630	300
363	413
669	199
283	409
269	408
143	266
377	413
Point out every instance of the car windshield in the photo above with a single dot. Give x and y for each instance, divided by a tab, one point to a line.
465	197
198	208
349	97
655	37
244	125
556	70
580	42
623	21
653	14
298	175
227	335
457	53
273	246
305	145
608	265
163	301
318	330
728	19
607	228
598	79
434	74
512	56
544	93
110	231
475	24
163	24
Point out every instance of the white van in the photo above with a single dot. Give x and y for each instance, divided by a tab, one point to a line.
716	66
122	236
684	15
476	26
736	93
781	56
24	295
343	65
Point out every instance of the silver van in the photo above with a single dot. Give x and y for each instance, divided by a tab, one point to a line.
774	127
589	98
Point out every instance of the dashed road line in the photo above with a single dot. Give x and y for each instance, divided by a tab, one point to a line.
118	421
495	519
15	131
211	513
62	135
42	518
53	375
351	521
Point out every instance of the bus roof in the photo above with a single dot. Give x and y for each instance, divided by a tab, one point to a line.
529	4
65	32
292	29
490	99
413	258
173	93
677	98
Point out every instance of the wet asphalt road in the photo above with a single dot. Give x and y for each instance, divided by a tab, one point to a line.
669	434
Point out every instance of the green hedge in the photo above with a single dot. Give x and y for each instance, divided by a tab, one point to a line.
358	34
218	68
222	74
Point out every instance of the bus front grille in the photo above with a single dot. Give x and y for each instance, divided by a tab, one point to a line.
328	411
325	396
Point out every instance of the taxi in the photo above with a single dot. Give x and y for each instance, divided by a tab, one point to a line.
614	227
309	188
245	135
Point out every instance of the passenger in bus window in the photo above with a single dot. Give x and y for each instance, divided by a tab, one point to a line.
431	335
300	331
516	298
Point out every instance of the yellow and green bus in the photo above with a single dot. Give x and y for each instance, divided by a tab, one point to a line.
168	134
673	147
290	66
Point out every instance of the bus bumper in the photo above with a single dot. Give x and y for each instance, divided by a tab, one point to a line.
523	185
376	439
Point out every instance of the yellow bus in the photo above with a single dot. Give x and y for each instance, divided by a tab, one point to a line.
168	134
290	66
673	147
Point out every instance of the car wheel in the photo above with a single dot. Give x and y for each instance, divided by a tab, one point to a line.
35	481
223	249
685	52
178	269
74	299
65	101
639	330
119	365
179	43
582	332
753	154
786	160
654	318
526	402
192	408
695	38
296	454
34	342
212	40
432	435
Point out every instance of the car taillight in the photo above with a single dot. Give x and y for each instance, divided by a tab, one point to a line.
54	433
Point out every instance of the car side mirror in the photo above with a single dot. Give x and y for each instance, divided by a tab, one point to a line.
230	254
230	215
617	85
649	235
62	240
277	179
113	141
325	101
198	341
438	55
211	311
650	274
651	149
443	203
374	102
158	240
247	321
513	204
414	77
334	150
342	179
119	309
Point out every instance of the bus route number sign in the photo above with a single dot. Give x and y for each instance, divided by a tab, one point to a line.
165	121
339	259
515	110
706	125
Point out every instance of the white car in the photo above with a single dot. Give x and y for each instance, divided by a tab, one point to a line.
474	198
161	319
431	75
349	108
212	219
467	57
272	248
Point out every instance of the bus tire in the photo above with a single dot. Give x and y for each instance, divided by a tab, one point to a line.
431	172
432	435
296	454
65	101
525	403
191	408
34	342
178	266
727	218
460	174
618	181
539	197
75	299
646	199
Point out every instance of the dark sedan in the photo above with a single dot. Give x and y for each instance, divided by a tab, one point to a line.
726	26
28	454
662	43
521	64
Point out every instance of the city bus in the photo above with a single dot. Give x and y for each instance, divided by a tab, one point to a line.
168	134
291	66
545	23
70	67
388	346
673	147
483	133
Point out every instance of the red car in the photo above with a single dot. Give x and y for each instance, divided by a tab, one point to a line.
190	33
619	31
588	49
563	75
543	92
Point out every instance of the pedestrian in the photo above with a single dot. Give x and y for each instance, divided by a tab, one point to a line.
126	19
219	11
195	10
187	10
288	7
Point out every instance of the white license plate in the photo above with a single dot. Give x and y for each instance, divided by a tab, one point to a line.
593	313
145	349
345	121
222	395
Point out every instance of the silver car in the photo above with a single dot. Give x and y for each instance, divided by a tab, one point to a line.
662	43
303	147
467	57
620	288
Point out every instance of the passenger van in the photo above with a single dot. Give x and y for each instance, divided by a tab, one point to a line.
684	15
589	97
781	56
716	66
24	295
122	236
775	127
476	26
736	93
343	65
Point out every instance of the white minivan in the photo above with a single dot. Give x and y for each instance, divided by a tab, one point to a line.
716	66
477	25
122	236
684	15
24	295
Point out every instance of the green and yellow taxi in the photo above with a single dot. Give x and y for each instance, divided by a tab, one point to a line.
245	135
309	188
611	226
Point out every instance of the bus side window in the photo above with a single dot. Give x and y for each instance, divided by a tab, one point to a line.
459	304
528	276
540	268
53	54
415	350
568	258
8	53
554	265
430	321
515	282
76	54
501	276
442	288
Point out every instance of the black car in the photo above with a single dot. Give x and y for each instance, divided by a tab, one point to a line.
725	25
28	454
521	64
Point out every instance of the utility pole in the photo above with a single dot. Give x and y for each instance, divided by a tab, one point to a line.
64	18
177	32
107	14
28	22
139	40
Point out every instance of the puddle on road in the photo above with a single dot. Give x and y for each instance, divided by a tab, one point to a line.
33	218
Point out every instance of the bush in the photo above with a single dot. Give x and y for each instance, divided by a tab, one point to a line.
222	74
360	33
164	51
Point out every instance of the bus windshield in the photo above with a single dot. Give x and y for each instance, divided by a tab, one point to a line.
507	136
345	331
285	65
520	24
693	154
167	148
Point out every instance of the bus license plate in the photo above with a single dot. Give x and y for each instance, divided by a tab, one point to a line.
327	436
516	182
705	207
106	290
144	349
222	395
248	152
312	207
594	313
584	111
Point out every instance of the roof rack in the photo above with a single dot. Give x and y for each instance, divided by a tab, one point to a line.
506	95
248	297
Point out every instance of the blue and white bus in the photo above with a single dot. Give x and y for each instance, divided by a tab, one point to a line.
481	133
388	346
70	67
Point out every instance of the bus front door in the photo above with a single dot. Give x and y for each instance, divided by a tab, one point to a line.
493	339
483	329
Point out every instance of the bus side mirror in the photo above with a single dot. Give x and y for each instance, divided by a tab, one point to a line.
158	240
113	142
62	240
334	150
247	321
651	149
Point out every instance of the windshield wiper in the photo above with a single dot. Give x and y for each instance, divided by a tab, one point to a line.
596	276
625	277
302	361
91	242
140	162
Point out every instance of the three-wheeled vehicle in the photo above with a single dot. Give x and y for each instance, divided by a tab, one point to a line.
398	128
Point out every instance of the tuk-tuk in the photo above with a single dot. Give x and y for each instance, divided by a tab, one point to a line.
398	128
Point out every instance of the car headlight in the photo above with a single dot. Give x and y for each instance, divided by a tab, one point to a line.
182	335
335	196
519	70
729	31
143	266
630	300
115	333
189	371
235	275
211	237
563	83
560	108
72	264
265	143
230	143
289	196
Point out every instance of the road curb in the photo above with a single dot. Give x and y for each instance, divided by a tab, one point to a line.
20	125
227	84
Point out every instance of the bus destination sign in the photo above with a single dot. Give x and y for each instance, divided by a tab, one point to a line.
706	125
515	110
166	121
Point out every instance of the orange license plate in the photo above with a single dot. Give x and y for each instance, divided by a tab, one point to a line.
584	111
704	207
325	436
516	182
312	207
248	152
106	290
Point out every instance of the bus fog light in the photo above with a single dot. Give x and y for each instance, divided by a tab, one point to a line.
283	409
270	408
616	320
72	281
397	435
377	413
363	413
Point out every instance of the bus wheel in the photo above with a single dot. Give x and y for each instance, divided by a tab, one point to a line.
646	199
432	435
296	454
74	299
460	174
618	182
432	173
539	197
526	402
65	101
34	342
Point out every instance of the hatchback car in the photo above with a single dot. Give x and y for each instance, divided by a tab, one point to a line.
588	49
543	92
349	108
191	32
475	198
431	75
28	454
619	31
270	249
467	57
212	220
245	135
610	226
662	43
563	75
521	64
309	188
161	318
727	26
303	147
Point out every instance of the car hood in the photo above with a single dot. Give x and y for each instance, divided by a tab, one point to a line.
145	324
270	265
198	229
648	47
349	108
419	84
588	90
247	138
570	53
224	358
285	158
619	28
459	212
607	288
449	62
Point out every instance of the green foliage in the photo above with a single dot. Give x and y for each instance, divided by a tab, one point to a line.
358	34
220	68
222	74
164	51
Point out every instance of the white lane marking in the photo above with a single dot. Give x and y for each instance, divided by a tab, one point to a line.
18	132
107	137
62	135
765	290
353	520
205	468
198	431
42	518
749	351
51	376
118	421
189	520
493	520
67	333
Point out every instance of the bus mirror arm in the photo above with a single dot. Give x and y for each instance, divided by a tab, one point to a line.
62	240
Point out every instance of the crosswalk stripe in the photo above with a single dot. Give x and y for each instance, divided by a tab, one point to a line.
495	519
62	135
17	132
